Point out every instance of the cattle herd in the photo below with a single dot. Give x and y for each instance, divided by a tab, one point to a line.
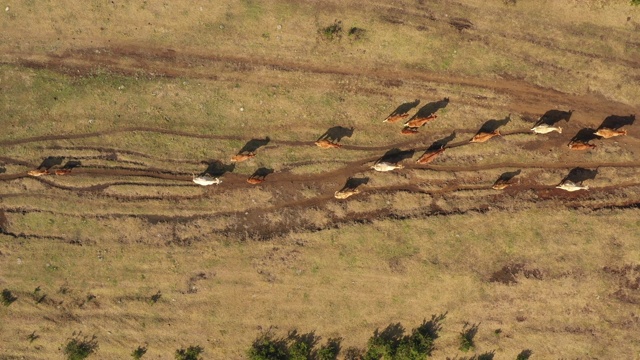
411	127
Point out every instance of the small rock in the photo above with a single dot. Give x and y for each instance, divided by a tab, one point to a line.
120	87
6	9
19	261
241	109
221	26
279	27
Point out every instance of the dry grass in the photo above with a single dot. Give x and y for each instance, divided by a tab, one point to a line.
208	78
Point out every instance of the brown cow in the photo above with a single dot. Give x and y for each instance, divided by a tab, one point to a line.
484	136
409	131
38	172
242	157
418	122
429	156
580	145
62	171
253	180
326	144
609	133
395	118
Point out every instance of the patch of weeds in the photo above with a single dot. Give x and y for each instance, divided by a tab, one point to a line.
139	352
331	32
154	298
190	353
466	337
509	2
635	2
356	33
7	297
80	347
33	337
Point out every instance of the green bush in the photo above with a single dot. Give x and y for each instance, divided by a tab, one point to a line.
635	2
190	353
80	347
267	347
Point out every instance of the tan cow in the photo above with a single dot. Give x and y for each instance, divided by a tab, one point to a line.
395	118
38	172
500	184
345	193
609	133
242	157
484	136
580	145
326	144
418	122
429	156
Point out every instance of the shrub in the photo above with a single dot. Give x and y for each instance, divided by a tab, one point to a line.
635	2
8	297
137	353
267	347
356	33
80	347
466	337
190	353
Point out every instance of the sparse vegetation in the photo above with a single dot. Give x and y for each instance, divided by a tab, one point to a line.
190	353
331	32
80	347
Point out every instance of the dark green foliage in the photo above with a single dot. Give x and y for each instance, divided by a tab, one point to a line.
190	353
331	32
330	350
137	353
635	2
8	297
466	337
392	343
268	347
80	347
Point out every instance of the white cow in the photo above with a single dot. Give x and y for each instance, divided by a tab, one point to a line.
206	180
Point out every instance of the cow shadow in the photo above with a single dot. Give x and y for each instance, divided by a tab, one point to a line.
493	125
218	168
336	133
431	108
578	174
615	122
396	155
507	176
551	117
72	164
253	145
50	162
261	173
353	183
441	143
404	108
584	135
